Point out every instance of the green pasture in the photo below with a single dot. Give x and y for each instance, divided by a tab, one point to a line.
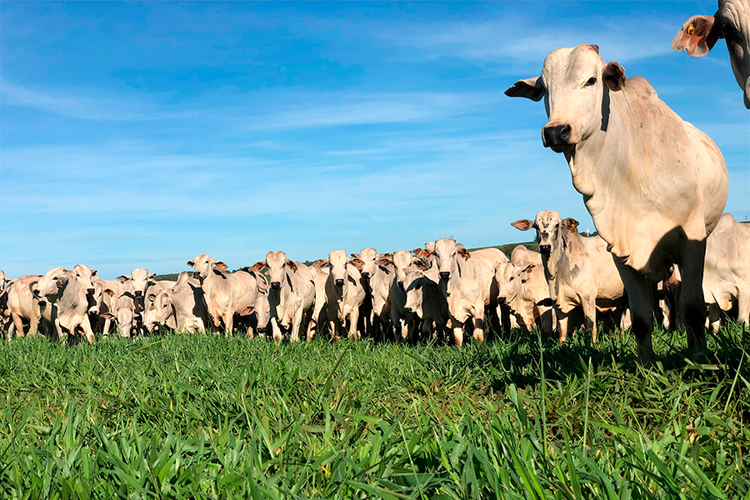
518	417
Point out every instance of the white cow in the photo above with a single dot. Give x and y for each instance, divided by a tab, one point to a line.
726	277
522	286
377	275
654	185
731	22
227	294
467	280
24	308
182	305
580	271
69	302
344	294
292	295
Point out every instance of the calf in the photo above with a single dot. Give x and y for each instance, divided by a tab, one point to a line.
522	286
106	293
580	271
467	282
344	293
69	302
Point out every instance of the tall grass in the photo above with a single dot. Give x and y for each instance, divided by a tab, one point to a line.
519	417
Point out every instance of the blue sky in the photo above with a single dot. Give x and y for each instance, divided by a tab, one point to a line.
140	135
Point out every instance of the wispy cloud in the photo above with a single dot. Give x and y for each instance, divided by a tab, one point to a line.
74	104
377	108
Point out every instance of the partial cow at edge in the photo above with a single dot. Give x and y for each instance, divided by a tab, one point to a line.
732	23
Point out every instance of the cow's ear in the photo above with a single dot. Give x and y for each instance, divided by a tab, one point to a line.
151	297
355	256
358	263
108	316
93	272
523	224
530	88
387	255
698	35
123	278
386	258
109	292
247	311
320	263
528	268
383	262
546	302
220	265
417	252
461	250
151	275
571	224
191	263
421	265
258	265
291	265
614	76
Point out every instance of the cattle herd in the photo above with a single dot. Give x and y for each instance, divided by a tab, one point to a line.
654	185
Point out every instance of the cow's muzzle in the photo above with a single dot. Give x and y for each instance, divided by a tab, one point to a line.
556	137
365	275
501	301
445	275
138	293
276	285
544	249
339	282
261	329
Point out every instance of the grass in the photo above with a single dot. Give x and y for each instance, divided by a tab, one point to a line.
518	417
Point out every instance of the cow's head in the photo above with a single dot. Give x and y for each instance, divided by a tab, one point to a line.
52	284
84	275
369	258
140	279
549	229
261	307
160	309
278	265
575	85
447	253
401	260
698	35
510	280
204	265
339	263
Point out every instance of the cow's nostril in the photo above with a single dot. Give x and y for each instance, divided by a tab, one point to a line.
544	249
261	329
558	135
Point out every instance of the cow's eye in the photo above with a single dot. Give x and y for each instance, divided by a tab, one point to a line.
590	82
511	278
523	281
